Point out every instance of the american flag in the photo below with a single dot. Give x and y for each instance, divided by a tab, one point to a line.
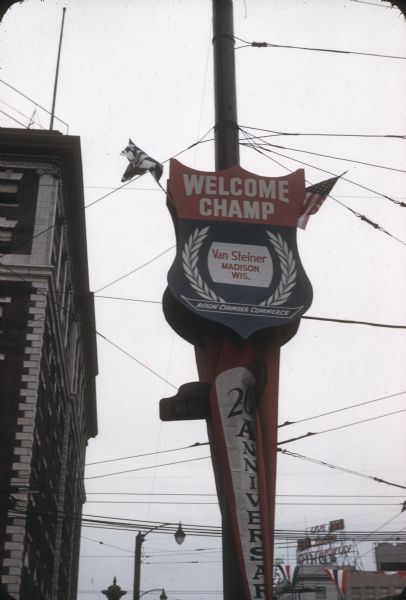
289	575
339	578
140	163
314	198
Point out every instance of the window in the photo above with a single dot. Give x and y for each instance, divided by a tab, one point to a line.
369	593
321	593
8	193
9	187
356	593
6	233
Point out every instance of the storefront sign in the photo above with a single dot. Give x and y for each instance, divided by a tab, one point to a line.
322	557
308	548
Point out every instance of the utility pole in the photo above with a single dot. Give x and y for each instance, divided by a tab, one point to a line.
227	154
137	565
179	536
225	97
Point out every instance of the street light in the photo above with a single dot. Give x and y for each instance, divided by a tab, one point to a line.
179	537
163	596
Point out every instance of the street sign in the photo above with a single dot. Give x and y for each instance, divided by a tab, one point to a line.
190	403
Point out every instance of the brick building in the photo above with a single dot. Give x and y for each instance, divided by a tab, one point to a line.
48	363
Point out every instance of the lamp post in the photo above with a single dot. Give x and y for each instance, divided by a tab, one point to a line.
162	596
179	538
114	592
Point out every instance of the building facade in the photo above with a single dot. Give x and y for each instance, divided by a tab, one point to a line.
390	557
318	582
48	363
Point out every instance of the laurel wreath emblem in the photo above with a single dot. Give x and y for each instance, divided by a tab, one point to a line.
190	256
288	268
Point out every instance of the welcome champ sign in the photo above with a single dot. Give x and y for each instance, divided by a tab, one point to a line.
237	261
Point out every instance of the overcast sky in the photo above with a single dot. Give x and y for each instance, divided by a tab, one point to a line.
143	69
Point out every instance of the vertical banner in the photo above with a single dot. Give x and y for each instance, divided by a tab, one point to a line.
244	401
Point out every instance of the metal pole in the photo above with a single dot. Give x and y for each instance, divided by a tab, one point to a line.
227	154
57	71
225	98
137	566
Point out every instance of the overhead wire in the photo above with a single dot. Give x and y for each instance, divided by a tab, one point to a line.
200	141
178	462
301	503
314	433
341	469
350	160
33	101
139	362
354	212
13	118
372	4
253	144
337	410
148	262
328	50
312	318
275	133
21	114
100	462
118	523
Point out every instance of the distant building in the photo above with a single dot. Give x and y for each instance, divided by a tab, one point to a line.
317	582
373	585
48	363
390	557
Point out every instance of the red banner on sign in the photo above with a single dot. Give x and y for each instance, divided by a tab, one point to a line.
236	195
244	401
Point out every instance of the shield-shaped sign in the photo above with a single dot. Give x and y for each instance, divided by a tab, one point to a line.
237	262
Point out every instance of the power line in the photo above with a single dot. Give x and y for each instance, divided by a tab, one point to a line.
13	119
200	141
275	133
178	462
66	309
198	494
327	319
357	214
313	433
352	322
21	114
119	524
351	160
372	4
103	337
332	412
342	469
301	503
253	144
99	462
129	299
135	270
330	50
33	101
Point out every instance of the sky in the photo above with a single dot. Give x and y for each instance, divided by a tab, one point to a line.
143	69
